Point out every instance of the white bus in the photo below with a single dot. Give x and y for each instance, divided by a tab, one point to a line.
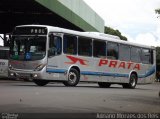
45	53
4	55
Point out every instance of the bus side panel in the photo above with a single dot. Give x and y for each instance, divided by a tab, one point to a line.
113	71
56	70
147	74
92	70
96	69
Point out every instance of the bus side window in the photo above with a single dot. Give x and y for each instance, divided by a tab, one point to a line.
124	52
84	46
146	55
112	50
135	54
70	44
55	45
99	49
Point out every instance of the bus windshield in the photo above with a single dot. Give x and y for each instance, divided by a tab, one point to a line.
28	48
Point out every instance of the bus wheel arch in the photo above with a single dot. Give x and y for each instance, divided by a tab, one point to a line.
73	76
133	79
77	68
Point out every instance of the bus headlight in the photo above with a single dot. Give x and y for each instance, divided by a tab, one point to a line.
35	75
39	67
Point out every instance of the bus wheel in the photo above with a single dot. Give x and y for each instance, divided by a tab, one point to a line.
73	78
104	85
132	82
40	82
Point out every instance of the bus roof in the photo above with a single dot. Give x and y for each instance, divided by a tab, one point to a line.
94	35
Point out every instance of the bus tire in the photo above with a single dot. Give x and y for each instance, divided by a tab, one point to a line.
104	85
132	82
40	82
73	78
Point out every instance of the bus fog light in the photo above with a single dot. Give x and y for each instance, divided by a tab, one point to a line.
35	75
12	74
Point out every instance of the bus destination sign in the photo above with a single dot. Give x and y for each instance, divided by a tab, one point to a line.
30	31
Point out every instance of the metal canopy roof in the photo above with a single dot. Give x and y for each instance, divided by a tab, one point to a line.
61	13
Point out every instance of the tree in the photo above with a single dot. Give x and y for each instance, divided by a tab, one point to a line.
157	11
109	30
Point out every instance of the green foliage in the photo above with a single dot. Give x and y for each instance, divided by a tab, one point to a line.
157	11
109	30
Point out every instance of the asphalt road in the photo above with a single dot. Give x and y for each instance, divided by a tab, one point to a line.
26	97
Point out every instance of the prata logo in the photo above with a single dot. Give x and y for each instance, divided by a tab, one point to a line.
106	62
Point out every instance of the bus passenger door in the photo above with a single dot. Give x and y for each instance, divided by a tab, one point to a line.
54	52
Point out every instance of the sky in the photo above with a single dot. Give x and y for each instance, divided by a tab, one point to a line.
135	19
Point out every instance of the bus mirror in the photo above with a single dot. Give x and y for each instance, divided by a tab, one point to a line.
10	36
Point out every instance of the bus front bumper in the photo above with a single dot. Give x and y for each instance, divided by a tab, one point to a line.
25	74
